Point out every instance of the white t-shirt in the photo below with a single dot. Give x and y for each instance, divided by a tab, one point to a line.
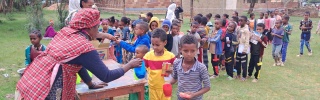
260	21
175	45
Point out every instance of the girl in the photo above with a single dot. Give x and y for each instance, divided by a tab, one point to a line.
252	22
266	22
124	26
111	23
35	49
260	20
277	34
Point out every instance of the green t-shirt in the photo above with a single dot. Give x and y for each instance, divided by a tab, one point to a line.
286	28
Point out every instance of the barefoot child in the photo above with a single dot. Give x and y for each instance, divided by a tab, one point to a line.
288	29
215	47
244	47
277	42
258	43
305	27
154	60
191	75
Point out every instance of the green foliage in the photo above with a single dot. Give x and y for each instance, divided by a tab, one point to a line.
62	13
35	16
10	17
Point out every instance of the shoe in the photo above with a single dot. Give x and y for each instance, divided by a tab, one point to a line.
299	55
255	80
243	79
281	64
310	53
230	78
248	77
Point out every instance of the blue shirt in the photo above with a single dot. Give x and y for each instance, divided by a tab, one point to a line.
142	40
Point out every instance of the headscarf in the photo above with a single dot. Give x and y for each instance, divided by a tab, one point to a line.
85	18
170	13
74	5
166	22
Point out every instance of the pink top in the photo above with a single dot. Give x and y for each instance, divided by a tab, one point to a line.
267	23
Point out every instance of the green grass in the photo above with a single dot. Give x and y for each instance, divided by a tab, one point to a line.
299	79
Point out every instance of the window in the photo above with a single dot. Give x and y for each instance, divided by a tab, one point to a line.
263	1
249	1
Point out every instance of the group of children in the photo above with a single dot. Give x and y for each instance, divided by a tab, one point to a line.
228	41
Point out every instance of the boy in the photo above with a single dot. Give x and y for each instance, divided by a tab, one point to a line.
277	34
166	25
193	31
305	27
149	16
287	31
226	18
244	47
229	49
154	60
203	32
176	40
190	73
140	30
259	42
141	50
215	47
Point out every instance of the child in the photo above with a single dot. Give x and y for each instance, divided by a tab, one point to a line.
176	21
153	24
176	40
261	19
140	30
141	50
50	33
272	24
267	22
226	18
277	34
244	47
252	22
149	16
193	31
215	47
35	49
305	27
204	31
191	75
258	43
106	28
235	14
118	49
209	24
166	25
277	15
229	49
111	24
154	60
288	29
125	30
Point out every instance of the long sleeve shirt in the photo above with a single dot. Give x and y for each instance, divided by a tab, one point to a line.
142	40
244	37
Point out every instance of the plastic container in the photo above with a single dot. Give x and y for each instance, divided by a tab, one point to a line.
167	90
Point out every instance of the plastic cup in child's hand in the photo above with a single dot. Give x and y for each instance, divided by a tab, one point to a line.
167	90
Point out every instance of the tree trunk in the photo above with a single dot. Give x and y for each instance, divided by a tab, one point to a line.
124	7
191	10
252	4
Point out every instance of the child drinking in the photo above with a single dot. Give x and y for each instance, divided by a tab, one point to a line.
258	43
287	31
305	27
154	60
244	46
191	75
215	47
176	40
35	49
277	42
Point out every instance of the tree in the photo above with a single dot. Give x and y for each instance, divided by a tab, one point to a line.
35	16
62	13
252	4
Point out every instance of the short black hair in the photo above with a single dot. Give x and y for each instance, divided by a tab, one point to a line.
125	20
226	15
245	18
224	22
237	14
307	12
144	26
174	24
286	17
81	2
36	32
116	20
204	21
144	19
261	25
194	23
209	15
200	15
217	16
175	21
252	14
150	14
112	19
197	18
188	39
159	33
236	19
144	48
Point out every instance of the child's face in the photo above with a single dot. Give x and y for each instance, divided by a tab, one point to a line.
259	29
154	25
266	15
306	16
189	51
224	17
284	20
174	30
194	28
231	27
165	27
278	24
252	17
281	13
34	39
104	25
276	12
217	24
121	25
139	53
272	14
116	24
242	21
261	15
158	45
138	30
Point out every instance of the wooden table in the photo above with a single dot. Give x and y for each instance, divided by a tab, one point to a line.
122	86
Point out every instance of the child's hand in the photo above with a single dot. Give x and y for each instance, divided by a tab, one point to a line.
190	95
272	34
134	63
110	37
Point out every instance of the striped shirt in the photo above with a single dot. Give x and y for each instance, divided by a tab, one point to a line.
191	80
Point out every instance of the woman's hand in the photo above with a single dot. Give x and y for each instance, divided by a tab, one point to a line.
135	63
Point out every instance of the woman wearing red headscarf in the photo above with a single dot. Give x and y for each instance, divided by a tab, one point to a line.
53	73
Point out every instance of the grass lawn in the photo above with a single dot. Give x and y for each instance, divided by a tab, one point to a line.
299	79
